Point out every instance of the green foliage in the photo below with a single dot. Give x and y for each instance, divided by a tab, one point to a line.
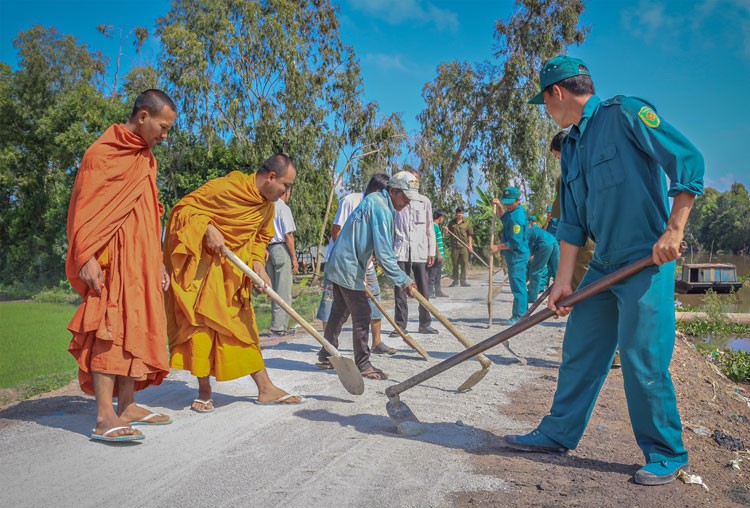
477	116
719	220
734	364
34	343
716	324
62	293
305	303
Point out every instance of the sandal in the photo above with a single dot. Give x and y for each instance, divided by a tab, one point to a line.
324	365
376	374
383	349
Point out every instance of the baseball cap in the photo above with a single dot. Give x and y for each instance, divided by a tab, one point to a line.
533	217
510	194
407	182
555	70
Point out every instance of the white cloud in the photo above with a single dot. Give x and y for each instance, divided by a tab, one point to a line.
397	12
385	62
685	23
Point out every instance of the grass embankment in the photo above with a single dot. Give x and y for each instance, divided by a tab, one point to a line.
734	364
34	340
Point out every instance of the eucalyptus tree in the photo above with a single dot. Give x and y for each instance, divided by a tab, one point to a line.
259	77
476	117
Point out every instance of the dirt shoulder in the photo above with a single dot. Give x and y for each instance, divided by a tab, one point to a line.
599	472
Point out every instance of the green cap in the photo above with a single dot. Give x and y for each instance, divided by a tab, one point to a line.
555	70
510	194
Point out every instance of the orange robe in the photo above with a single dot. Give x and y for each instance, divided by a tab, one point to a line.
114	215
210	318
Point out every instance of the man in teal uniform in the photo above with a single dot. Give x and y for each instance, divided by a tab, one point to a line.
545	253
514	248
614	191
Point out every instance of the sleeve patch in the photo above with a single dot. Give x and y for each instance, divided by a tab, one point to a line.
516	229
649	117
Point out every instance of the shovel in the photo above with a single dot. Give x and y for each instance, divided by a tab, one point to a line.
399	412
347	370
483	360
407	338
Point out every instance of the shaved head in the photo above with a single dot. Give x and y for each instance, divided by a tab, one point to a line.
153	101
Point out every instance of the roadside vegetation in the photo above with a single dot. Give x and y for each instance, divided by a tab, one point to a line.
734	364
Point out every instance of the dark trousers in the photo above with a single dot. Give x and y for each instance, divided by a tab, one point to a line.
435	274
419	273
460	262
346	302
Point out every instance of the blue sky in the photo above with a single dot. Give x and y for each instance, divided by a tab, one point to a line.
690	58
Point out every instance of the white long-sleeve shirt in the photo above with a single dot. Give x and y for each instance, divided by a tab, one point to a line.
414	238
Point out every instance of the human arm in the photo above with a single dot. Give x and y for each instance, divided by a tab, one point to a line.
667	248
563	285
289	241
431	240
382	234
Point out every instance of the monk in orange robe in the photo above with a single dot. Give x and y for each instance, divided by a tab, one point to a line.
114	263
210	318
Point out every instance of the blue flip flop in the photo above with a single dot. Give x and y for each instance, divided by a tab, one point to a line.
116	439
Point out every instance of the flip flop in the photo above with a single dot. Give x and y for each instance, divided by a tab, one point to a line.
324	365
375	373
146	420
205	403
116	439
282	401
383	349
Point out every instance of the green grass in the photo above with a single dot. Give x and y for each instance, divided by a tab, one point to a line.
305	303
34	346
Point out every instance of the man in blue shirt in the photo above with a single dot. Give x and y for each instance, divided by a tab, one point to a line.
545	255
514	248
614	191
368	230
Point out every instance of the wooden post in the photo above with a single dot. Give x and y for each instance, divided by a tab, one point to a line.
491	290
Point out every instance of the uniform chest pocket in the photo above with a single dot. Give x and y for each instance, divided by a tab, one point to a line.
606	171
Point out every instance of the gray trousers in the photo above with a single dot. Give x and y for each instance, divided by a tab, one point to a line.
279	269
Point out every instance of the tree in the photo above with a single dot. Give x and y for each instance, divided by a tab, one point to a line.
477	116
259	77
53	110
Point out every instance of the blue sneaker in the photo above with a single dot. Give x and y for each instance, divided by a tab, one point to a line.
660	473
535	442
510	322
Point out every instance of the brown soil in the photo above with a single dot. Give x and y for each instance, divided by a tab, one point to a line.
599	472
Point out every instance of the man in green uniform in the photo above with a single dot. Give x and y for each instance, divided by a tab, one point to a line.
461	237
614	190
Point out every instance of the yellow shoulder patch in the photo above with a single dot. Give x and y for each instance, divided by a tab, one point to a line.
649	117
516	229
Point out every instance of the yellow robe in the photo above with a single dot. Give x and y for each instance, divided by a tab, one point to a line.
210	318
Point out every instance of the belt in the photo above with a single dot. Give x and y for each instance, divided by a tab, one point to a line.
276	243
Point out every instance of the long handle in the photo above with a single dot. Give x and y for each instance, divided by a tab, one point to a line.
568	301
406	338
424	302
280	301
537	302
470	250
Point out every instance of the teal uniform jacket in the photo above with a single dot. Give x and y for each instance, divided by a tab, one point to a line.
517	257
546	255
614	190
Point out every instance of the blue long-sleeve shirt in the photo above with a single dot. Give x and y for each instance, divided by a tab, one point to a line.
614	168
368	230
537	238
514	230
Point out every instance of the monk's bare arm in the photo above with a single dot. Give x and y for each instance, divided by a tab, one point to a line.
91	274
213	240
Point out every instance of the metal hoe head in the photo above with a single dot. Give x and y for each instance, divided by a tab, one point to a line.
473	379
349	374
399	412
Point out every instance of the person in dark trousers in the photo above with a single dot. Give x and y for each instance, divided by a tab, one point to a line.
461	230
436	270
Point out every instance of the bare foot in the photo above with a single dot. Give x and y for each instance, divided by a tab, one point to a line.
273	393
134	413
204	394
103	424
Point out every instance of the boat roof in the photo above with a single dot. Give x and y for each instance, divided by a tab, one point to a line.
709	265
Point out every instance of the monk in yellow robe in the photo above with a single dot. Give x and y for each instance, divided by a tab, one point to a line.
115	263
210	318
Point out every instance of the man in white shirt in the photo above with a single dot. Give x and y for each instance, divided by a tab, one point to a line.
347	205
414	244
282	263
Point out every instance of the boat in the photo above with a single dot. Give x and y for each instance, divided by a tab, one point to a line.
700	277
